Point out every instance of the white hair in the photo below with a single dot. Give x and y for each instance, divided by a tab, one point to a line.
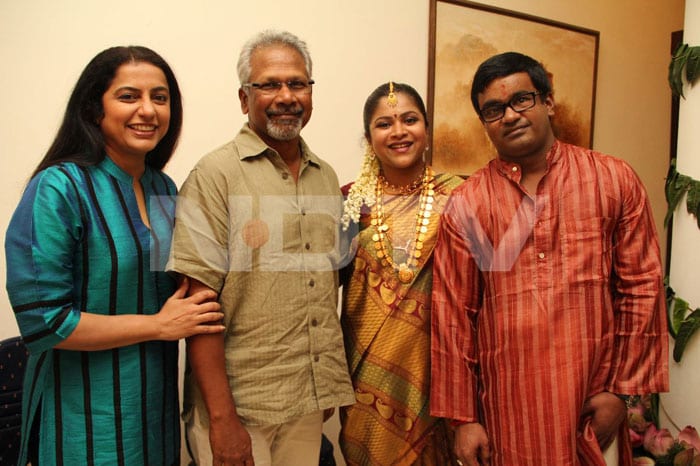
266	39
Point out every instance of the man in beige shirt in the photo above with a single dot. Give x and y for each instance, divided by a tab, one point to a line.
257	222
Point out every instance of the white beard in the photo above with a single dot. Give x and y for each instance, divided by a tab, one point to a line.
284	131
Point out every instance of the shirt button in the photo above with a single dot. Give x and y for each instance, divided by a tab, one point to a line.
316	358
303	211
285	175
312	282
314	322
541	255
307	246
515	169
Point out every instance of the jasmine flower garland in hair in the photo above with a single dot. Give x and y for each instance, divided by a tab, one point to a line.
363	190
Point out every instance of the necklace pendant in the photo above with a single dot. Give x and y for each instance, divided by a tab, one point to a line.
405	274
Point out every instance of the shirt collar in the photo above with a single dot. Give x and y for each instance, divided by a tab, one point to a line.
250	145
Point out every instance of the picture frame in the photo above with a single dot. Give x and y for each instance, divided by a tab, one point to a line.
462	35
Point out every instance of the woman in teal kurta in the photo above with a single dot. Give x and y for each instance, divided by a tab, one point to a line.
86	250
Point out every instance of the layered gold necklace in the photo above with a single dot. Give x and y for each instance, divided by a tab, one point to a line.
405	270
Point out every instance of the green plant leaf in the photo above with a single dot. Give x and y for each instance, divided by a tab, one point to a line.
653	410
682	182
686	330
670	306
692	65
670	192
676	186
684	58
677	309
693	200
670	178
675	69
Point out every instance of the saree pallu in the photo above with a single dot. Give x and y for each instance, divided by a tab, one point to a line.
386	327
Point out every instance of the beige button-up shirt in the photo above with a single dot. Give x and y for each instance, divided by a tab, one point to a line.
271	248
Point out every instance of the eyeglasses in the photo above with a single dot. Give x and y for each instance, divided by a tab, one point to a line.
295	86
518	103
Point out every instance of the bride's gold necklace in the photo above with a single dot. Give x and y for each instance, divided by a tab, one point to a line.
425	208
407	189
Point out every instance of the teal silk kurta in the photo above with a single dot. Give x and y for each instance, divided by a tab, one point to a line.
76	243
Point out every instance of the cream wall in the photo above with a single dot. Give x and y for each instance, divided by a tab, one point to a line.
355	45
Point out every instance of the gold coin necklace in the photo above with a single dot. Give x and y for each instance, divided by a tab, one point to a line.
405	270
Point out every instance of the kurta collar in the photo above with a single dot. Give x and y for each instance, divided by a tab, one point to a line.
512	170
250	145
116	171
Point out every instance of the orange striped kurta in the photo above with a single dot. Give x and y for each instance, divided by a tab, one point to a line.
540	302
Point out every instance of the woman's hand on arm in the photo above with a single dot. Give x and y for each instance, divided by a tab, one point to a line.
181	316
189	313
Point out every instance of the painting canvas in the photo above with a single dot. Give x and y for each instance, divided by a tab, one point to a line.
462	35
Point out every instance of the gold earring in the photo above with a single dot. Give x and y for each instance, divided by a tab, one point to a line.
369	151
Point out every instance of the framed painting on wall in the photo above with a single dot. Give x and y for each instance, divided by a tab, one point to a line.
462	35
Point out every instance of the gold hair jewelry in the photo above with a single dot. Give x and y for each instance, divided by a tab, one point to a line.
404	270
391	99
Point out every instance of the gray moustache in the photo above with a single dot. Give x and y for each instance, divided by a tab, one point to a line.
295	113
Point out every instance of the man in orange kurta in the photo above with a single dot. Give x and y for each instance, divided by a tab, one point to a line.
548	298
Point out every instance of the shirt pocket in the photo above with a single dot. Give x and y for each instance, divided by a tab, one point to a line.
587	247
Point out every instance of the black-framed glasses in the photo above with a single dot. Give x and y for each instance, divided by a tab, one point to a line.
519	103
295	86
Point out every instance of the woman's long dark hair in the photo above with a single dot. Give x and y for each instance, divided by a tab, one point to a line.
79	138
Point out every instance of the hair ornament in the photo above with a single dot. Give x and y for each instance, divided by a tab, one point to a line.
391	99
